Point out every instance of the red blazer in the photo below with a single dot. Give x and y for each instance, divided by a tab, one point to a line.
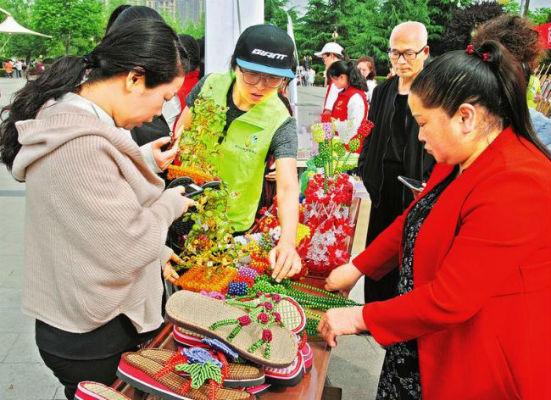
481	304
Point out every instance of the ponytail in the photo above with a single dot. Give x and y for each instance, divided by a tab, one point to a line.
355	78
147	46
61	77
487	75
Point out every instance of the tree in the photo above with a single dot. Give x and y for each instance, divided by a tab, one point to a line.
22	46
465	20
440	13
315	27
275	12
76	25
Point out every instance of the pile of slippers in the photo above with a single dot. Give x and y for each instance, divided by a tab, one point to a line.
227	349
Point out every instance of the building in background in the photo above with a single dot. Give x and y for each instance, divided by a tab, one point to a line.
184	10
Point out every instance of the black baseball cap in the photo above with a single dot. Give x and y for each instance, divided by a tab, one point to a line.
267	49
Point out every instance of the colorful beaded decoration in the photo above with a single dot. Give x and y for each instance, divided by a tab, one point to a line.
201	367
210	279
262	314
318	299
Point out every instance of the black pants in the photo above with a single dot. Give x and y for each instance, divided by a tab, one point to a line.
394	200
91	356
71	372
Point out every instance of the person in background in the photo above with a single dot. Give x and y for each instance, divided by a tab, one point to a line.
311	76
96	215
366	65
521	39
258	123
192	77
18	67
470	320
330	53
352	102
393	147
8	68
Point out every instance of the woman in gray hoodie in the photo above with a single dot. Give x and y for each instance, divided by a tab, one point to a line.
96	215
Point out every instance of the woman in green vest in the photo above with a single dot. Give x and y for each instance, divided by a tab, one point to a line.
257	124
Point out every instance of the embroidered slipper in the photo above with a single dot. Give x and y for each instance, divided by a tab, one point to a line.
234	375
308	355
258	336
287	376
88	390
185	337
292	314
260	389
152	377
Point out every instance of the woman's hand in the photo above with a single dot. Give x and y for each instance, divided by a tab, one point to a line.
185	201
284	260
168	270
341	321
163	158
271	176
343	278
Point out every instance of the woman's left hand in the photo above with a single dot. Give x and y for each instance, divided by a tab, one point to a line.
341	321
285	261
168	270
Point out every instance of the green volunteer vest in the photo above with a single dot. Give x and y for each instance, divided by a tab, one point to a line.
241	158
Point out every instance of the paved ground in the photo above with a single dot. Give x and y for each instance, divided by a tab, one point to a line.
354	366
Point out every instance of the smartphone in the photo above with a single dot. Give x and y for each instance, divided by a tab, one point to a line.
411	183
191	190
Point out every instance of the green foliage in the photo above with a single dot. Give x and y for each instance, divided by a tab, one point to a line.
196	30
540	16
76	25
465	20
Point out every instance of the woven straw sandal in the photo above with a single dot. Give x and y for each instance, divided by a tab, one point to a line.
292	317
236	376
88	390
152	377
258	336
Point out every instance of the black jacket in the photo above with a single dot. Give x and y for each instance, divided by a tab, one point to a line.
417	162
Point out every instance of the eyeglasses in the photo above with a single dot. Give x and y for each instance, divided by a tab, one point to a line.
252	78
408	54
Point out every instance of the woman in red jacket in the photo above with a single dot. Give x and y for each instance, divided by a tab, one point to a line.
351	103
472	317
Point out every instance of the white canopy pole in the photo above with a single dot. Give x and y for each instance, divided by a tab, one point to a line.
224	22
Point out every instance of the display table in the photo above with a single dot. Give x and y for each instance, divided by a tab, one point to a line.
312	385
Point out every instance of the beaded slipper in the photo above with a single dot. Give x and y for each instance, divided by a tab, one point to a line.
291	313
234	375
258	336
88	390
152	377
292	316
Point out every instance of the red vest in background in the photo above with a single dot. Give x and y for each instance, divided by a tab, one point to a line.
340	112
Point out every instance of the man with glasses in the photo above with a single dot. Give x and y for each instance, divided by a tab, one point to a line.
330	53
393	148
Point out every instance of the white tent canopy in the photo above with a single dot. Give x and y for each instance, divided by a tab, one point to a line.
10	26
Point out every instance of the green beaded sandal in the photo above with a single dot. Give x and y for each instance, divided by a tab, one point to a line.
258	335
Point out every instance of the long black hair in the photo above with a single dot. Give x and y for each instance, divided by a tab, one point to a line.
115	14
193	50
148	47
487	75
131	14
355	78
